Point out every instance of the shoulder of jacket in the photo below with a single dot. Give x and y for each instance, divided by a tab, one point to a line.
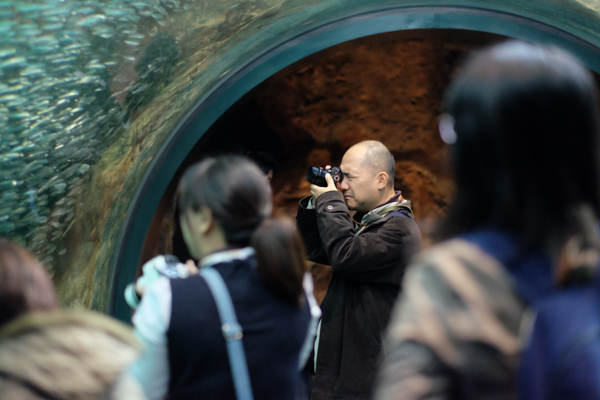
41	322
394	218
72	351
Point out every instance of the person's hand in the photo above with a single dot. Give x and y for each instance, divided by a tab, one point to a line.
192	268
151	272
140	289
316	191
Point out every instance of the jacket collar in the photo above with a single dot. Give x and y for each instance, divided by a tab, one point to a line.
226	256
381	211
377	214
391	200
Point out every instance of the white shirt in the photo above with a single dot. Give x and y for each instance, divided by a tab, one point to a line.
153	316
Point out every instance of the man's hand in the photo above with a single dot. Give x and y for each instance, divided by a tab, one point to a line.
316	191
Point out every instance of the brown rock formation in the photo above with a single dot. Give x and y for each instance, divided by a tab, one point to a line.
387	88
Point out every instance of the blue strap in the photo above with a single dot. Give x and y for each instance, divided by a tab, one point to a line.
232	331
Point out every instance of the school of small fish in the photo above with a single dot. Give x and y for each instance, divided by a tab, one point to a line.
57	112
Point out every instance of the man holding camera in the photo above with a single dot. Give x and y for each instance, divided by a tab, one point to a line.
368	256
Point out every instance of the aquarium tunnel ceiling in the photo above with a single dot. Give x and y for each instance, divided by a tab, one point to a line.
101	101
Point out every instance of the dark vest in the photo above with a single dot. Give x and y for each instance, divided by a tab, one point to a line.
274	332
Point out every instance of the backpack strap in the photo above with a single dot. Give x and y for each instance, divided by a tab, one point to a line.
232	331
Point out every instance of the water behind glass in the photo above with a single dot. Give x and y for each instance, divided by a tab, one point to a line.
73	74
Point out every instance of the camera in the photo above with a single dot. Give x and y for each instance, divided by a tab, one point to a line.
316	175
171	268
167	266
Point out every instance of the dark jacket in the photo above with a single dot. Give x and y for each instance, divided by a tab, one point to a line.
274	332
561	359
456	330
480	318
367	273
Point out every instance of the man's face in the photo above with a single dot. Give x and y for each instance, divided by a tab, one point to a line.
359	185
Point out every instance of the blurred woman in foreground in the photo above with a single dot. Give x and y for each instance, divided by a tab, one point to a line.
225	206
508	305
50	354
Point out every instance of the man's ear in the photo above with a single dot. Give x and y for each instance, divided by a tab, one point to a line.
382	180
205	220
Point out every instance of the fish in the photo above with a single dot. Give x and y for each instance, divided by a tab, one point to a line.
91	20
7	51
13	61
58	113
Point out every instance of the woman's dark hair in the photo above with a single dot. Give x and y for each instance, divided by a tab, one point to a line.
235	190
24	284
264	160
526	152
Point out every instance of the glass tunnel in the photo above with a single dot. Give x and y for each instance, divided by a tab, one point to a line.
104	103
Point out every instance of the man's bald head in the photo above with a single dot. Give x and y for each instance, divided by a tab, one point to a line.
378	158
368	169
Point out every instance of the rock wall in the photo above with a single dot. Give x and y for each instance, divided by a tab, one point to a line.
386	91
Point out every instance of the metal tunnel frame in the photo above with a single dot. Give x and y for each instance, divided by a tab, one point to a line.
212	105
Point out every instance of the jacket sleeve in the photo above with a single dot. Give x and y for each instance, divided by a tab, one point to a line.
306	222
375	255
411	370
454	332
151	321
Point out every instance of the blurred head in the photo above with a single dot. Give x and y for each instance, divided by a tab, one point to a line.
368	169
525	120
225	196
24	284
226	202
